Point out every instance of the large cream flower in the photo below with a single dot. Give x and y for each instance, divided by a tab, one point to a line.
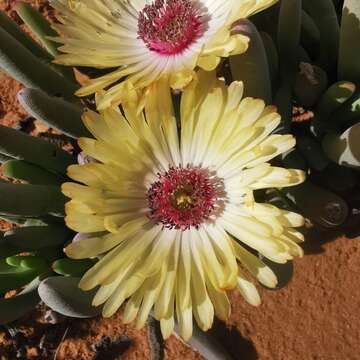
147	40
172	213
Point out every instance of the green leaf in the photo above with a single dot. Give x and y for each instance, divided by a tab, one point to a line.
71	267
16	279
336	95
349	53
18	34
339	178
324	15
346	115
344	149
33	150
29	238
17	306
272	57
25	67
4	158
310	34
63	295
31	200
312	152
39	25
252	67
35	263
24	171
319	205
295	160
55	112
288	38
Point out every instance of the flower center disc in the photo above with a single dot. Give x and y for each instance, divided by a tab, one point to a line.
169	27
184	197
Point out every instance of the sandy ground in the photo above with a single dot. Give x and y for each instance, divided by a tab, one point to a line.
316	316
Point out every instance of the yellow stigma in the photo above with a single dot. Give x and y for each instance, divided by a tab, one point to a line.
182	199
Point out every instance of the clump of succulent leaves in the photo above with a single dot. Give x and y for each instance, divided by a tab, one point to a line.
32	199
310	53
304	56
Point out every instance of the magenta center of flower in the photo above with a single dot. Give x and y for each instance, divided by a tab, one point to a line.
184	197
169	27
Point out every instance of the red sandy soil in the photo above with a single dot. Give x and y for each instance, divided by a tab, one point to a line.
315	317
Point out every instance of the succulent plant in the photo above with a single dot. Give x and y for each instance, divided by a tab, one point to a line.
313	61
297	49
34	201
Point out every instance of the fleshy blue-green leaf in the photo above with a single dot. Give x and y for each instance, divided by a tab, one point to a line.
38	24
24	171
17	306
34	150
23	200
349	53
324	15
22	65
55	112
319	205
344	149
252	67
63	295
288	38
29	238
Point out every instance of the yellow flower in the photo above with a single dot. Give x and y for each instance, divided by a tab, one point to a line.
172	213
147	40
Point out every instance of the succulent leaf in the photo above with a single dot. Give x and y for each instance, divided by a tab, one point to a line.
24	171
18	34
310	33
63	295
319	205
346	115
33	150
31	201
39	25
288	39
29	238
349	53
252	67
344	149
25	67
17	306
55	112
333	98
71	267
272	57
312	152
324	15
17	278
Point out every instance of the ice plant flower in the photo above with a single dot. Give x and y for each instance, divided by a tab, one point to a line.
141	41
172	212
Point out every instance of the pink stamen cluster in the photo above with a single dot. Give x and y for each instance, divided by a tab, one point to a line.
183	197
169	27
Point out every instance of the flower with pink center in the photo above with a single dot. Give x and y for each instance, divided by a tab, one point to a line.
170	212
185	197
148	40
171	27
